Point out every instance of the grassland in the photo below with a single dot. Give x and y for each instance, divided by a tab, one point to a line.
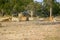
29	31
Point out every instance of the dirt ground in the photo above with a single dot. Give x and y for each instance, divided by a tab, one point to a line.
29	31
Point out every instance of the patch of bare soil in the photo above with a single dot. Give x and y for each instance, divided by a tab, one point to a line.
29	31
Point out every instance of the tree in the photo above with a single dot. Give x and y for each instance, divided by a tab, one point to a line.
9	6
50	4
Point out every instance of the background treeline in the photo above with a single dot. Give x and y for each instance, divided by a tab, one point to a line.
41	9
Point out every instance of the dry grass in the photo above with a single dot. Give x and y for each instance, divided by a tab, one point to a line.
29	31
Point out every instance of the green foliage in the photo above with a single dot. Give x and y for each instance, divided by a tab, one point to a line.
10	6
55	7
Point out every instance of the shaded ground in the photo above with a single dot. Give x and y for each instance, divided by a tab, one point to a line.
29	31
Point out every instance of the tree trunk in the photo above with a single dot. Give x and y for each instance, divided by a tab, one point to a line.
2	12
31	13
50	14
50	11
51	18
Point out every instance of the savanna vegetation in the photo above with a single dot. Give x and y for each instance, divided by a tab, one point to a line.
41	9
